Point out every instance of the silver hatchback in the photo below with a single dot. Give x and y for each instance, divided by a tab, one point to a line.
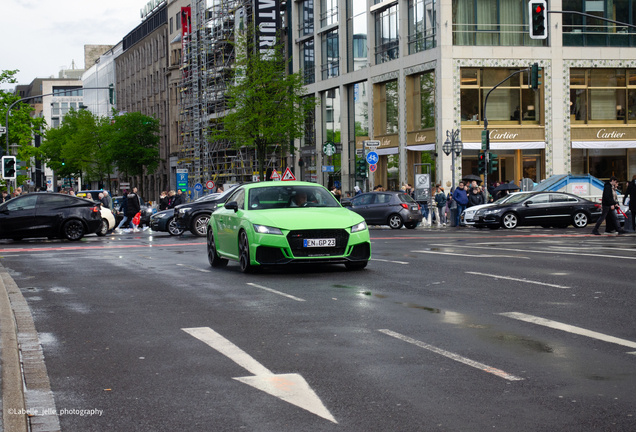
386	208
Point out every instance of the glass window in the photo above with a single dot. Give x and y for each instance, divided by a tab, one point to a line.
427	99
273	197
602	95
306	19
330	61
240	199
361	109
421	25
558	198
329	12
309	61
357	35
539	199
56	201
382	198
22	203
392	107
364	199
386	35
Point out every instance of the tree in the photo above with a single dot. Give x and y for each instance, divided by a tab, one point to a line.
22	126
264	106
134	144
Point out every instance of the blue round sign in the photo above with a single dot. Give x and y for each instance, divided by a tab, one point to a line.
372	158
198	187
337	184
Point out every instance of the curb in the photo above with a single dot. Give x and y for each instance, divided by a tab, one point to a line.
37	401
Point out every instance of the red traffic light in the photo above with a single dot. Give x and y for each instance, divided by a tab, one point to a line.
539	9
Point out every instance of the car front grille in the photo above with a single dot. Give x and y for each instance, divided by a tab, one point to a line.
295	239
361	251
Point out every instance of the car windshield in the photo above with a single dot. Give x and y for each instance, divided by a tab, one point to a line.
271	197
209	197
518	198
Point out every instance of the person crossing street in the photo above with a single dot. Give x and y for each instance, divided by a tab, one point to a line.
609	203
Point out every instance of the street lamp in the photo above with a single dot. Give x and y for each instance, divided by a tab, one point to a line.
453	145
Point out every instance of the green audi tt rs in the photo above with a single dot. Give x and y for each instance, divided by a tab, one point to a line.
275	223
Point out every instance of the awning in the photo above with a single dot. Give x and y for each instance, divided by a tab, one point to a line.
387	151
421	147
506	145
603	144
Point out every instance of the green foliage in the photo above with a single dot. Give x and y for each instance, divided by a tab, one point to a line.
265	105
134	143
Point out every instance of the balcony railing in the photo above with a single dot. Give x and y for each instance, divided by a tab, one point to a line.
598	35
494	35
387	51
422	41
330	69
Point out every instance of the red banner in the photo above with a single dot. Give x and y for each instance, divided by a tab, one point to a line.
186	28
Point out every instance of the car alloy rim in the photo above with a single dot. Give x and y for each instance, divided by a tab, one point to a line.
202	225
510	221
580	219
211	250
244	251
395	221
104	227
173	227
74	229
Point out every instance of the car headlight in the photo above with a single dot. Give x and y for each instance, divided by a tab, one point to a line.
262	229
160	215
494	211
184	210
360	227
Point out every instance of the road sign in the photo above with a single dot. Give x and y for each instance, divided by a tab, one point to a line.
359	152
373	167
372	158
329	148
422	181
198	187
291	388
182	179
371	144
3	129
209	184
288	175
328	168
275	176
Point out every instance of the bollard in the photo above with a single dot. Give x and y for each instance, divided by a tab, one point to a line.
628	221
453	214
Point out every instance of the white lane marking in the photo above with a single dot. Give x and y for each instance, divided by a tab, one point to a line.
541	251
464	255
383	260
568	328
195	268
453	356
518	280
275	292
291	388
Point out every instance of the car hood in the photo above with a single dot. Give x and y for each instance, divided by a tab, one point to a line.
478	207
306	218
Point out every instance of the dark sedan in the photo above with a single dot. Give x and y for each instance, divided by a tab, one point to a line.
166	222
194	216
546	209
386	208
48	215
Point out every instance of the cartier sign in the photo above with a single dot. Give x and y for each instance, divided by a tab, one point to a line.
604	134
520	134
586	133
422	137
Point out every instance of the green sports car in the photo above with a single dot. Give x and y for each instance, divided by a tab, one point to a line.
274	223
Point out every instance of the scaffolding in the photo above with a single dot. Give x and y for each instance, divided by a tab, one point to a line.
205	75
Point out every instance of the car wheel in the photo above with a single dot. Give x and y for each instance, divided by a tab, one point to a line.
580	220
174	228
395	221
510	221
214	259
200	225
103	228
73	230
244	253
356	265
410	225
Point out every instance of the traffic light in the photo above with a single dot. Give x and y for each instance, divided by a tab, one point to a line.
537	11
8	167
361	168
482	163
111	94
492	163
534	76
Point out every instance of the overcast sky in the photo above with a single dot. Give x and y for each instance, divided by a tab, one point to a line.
40	37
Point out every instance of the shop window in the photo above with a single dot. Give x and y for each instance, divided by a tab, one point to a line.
602	96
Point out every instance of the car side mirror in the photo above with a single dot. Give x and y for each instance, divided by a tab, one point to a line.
346	203
527	203
232	205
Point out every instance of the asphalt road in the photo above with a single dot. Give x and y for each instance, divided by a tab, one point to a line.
449	330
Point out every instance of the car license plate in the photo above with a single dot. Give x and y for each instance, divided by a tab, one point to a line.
319	242
414	208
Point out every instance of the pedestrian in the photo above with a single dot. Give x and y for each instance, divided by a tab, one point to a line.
109	200
103	200
357	189
71	192
608	202
17	192
164	202
440	206
5	196
378	188
179	199
89	196
123	209
134	207
220	189
630	194
461	198
475	198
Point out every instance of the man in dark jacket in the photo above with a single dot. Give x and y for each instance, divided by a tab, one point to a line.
608	204
134	206
461	198
475	198
179	199
631	194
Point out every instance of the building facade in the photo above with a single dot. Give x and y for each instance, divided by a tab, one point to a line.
408	72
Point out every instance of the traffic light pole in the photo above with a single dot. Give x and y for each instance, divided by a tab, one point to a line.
37	97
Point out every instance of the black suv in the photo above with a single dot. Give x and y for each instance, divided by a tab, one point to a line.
194	216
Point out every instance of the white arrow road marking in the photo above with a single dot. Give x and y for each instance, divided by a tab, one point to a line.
518	280
568	328
291	388
465	255
275	292
453	356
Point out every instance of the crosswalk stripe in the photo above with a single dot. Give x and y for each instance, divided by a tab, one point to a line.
518	280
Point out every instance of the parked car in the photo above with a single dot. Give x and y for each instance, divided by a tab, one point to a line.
146	211
194	216
468	215
109	222
166	222
547	209
52	215
279	223
386	208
